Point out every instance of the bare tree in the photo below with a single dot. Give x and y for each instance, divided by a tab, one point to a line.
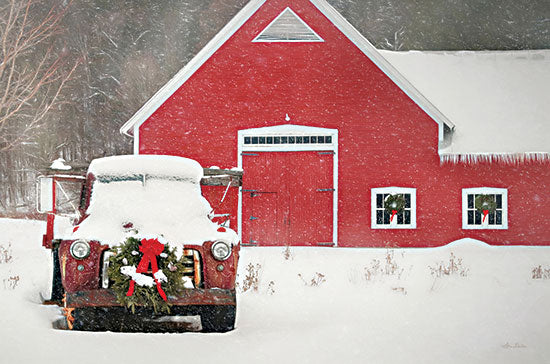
32	74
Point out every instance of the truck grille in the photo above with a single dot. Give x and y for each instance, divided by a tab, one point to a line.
192	271
192	263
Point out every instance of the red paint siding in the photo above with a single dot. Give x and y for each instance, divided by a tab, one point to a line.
385	139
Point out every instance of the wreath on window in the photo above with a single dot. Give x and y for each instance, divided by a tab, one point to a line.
394	204
485	204
145	272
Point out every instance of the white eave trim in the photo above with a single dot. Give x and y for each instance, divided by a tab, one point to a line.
333	16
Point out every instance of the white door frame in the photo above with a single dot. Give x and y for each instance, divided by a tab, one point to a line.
291	130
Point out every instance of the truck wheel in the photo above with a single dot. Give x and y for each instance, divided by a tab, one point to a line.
218	318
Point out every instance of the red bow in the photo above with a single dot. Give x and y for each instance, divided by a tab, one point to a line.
150	248
485	213
393	212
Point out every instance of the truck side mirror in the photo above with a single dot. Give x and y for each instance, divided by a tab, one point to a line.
44	194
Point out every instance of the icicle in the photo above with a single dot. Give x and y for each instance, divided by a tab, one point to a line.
505	158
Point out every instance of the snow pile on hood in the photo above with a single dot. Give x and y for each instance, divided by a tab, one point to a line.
156	165
165	201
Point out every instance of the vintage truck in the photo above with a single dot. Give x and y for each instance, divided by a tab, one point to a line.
144	197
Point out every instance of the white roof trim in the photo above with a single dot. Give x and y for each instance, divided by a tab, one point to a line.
336	18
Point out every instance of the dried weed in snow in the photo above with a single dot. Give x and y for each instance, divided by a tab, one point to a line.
317	280
11	282
452	267
287	253
540	273
270	288
388	267
5	254
251	280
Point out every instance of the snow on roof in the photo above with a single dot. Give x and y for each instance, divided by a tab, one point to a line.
157	165
498	101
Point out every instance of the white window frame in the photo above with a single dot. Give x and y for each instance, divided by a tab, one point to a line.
393	190
487	191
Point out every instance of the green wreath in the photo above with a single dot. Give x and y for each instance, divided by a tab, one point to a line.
485	202
127	255
394	203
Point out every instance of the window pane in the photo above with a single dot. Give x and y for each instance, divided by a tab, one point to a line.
276	140
498	199
254	140
407	217
491	218
269	140
306	140
407	200
498	217
386	217
379	200
399	217
379	216
471	217
284	140
291	140
470	201
246	140
262	140
320	139
313	139
477	218
328	139
298	140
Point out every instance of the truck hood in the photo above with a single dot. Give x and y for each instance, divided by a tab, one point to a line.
172	209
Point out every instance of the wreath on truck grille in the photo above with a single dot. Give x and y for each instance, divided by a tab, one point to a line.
144	272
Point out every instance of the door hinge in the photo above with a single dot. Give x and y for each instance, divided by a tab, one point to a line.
326	190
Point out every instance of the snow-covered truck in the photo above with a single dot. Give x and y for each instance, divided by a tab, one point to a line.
143	252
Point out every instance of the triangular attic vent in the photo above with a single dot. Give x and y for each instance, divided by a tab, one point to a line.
288	27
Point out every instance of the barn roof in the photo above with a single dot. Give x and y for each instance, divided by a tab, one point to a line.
234	25
499	101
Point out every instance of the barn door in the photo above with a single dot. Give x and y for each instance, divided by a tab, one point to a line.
287	198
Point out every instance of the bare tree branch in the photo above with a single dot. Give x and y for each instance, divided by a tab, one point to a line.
32	76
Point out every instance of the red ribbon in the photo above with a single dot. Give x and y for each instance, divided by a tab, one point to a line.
150	248
485	213
393	212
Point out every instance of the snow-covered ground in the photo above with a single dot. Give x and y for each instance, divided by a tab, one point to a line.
313	305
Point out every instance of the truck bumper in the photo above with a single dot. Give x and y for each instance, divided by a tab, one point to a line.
189	297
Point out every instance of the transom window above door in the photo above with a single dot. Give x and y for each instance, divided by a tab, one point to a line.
288	139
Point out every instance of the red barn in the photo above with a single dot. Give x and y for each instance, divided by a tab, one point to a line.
328	133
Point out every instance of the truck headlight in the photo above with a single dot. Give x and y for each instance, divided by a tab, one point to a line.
80	249
221	250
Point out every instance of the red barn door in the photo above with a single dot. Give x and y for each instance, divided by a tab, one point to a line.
288	198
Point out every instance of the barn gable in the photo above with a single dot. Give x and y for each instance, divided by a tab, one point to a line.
287	18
